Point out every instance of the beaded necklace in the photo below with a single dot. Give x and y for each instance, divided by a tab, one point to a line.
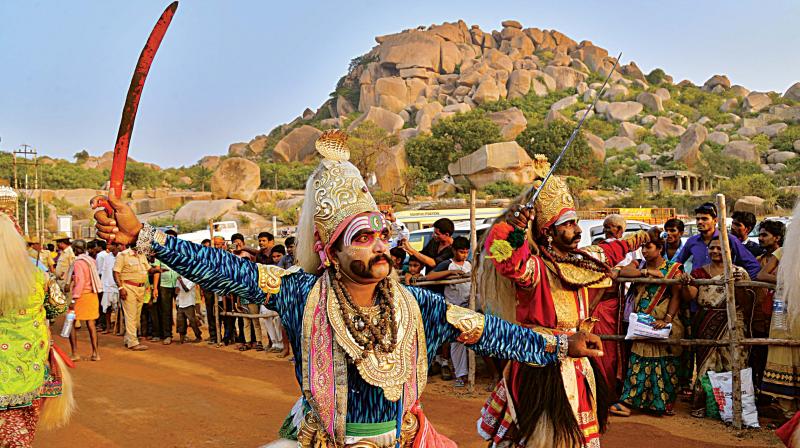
370	331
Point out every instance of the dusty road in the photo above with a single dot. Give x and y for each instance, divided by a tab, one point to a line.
201	396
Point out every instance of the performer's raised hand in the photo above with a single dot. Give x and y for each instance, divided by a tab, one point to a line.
519	216
122	227
583	344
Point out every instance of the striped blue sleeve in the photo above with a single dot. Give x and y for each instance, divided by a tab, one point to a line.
504	340
213	269
500	339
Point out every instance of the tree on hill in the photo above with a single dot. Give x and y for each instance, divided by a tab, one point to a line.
82	156
549	139
367	143
449	140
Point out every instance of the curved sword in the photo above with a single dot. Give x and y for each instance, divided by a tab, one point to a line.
132	100
574	134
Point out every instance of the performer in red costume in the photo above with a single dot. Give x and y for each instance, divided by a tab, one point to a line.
539	278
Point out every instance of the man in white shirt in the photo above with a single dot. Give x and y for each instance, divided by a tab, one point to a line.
184	300
109	303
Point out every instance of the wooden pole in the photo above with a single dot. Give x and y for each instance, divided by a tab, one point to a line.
473	286
730	293
217	324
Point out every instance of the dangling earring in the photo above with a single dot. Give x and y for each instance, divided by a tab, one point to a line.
337	273
549	240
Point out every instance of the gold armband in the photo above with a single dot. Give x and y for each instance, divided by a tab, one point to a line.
269	277
469	323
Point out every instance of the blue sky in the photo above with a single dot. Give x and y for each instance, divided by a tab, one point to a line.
230	70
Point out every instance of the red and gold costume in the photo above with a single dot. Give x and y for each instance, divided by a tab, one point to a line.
552	294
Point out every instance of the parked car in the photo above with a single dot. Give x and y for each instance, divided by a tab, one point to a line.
225	229
419	238
592	230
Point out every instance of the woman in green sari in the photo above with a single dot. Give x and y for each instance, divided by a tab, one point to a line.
651	383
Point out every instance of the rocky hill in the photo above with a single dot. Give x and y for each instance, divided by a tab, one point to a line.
452	99
518	78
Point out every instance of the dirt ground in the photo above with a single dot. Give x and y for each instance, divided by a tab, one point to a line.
202	396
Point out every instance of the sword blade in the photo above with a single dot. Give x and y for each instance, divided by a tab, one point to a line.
574	134
132	100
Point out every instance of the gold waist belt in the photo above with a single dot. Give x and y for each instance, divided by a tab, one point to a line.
313	435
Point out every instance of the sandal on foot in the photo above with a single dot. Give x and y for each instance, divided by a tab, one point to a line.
698	413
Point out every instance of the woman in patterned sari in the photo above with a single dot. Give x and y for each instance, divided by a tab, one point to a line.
651	383
711	321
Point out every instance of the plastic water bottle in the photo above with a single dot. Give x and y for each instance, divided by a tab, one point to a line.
65	331
779	310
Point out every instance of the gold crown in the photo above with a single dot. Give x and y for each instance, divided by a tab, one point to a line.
332	145
339	189
8	200
552	202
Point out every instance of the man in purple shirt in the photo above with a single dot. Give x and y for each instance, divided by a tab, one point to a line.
696	246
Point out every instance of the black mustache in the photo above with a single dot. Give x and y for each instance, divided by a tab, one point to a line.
576	238
378	258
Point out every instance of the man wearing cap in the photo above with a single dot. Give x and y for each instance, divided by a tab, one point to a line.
36	252
65	259
362	341
130	273
696	247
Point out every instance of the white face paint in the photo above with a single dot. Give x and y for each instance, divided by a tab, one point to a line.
373	222
365	241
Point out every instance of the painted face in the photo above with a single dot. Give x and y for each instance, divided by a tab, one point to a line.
766	239
739	230
673	235
705	223
715	251
567	236
365	257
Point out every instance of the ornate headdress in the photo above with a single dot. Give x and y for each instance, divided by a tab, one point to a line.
554	205
8	201
335	194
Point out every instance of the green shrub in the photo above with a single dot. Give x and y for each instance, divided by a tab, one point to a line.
785	140
656	76
503	189
749	185
549	139
534	107
451	139
600	127
285	176
714	162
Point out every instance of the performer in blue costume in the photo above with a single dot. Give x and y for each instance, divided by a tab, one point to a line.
363	342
